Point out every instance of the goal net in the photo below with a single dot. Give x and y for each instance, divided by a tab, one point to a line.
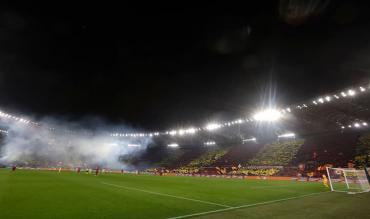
348	180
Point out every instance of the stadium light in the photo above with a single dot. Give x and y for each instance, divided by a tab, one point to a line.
213	126
268	115
321	100
181	132
364	124
336	96
343	94
190	131
351	92
362	89
209	143
173	145
133	145
173	132
250	139
343	127
314	102
287	135
357	125
328	98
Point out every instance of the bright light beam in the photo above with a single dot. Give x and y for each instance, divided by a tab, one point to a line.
213	126
268	115
287	135
173	145
210	143
250	139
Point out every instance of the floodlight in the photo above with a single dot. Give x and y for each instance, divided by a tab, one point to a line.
314	102
250	139
336	96
343	94
190	130
287	135
343	127
288	109
173	132
357	125
267	115
210	143
173	145
328	98
321	100
213	126
351	92
181	132
133	145
362	89
364	124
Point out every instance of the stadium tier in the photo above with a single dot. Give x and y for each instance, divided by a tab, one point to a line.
328	130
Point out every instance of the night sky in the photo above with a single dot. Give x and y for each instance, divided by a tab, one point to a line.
156	67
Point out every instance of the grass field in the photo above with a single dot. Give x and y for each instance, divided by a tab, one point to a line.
44	194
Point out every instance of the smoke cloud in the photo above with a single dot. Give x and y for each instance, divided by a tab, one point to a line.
42	146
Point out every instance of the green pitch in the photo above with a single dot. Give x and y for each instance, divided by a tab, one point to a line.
43	194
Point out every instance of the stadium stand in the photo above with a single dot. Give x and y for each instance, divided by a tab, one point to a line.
336	149
362	151
208	159
279	158
277	153
238	154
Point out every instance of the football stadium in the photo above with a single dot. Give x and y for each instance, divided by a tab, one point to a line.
185	112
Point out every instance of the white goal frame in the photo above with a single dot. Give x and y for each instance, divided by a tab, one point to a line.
350	180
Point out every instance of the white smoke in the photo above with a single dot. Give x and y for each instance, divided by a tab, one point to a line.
40	146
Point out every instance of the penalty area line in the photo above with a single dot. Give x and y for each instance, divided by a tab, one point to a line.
245	206
167	195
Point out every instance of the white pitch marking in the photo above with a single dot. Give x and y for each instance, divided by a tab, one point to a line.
162	194
263	187
245	206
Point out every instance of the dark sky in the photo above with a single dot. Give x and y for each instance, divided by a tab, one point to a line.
157	67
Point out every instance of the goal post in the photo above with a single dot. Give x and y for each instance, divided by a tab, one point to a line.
348	180
367	171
